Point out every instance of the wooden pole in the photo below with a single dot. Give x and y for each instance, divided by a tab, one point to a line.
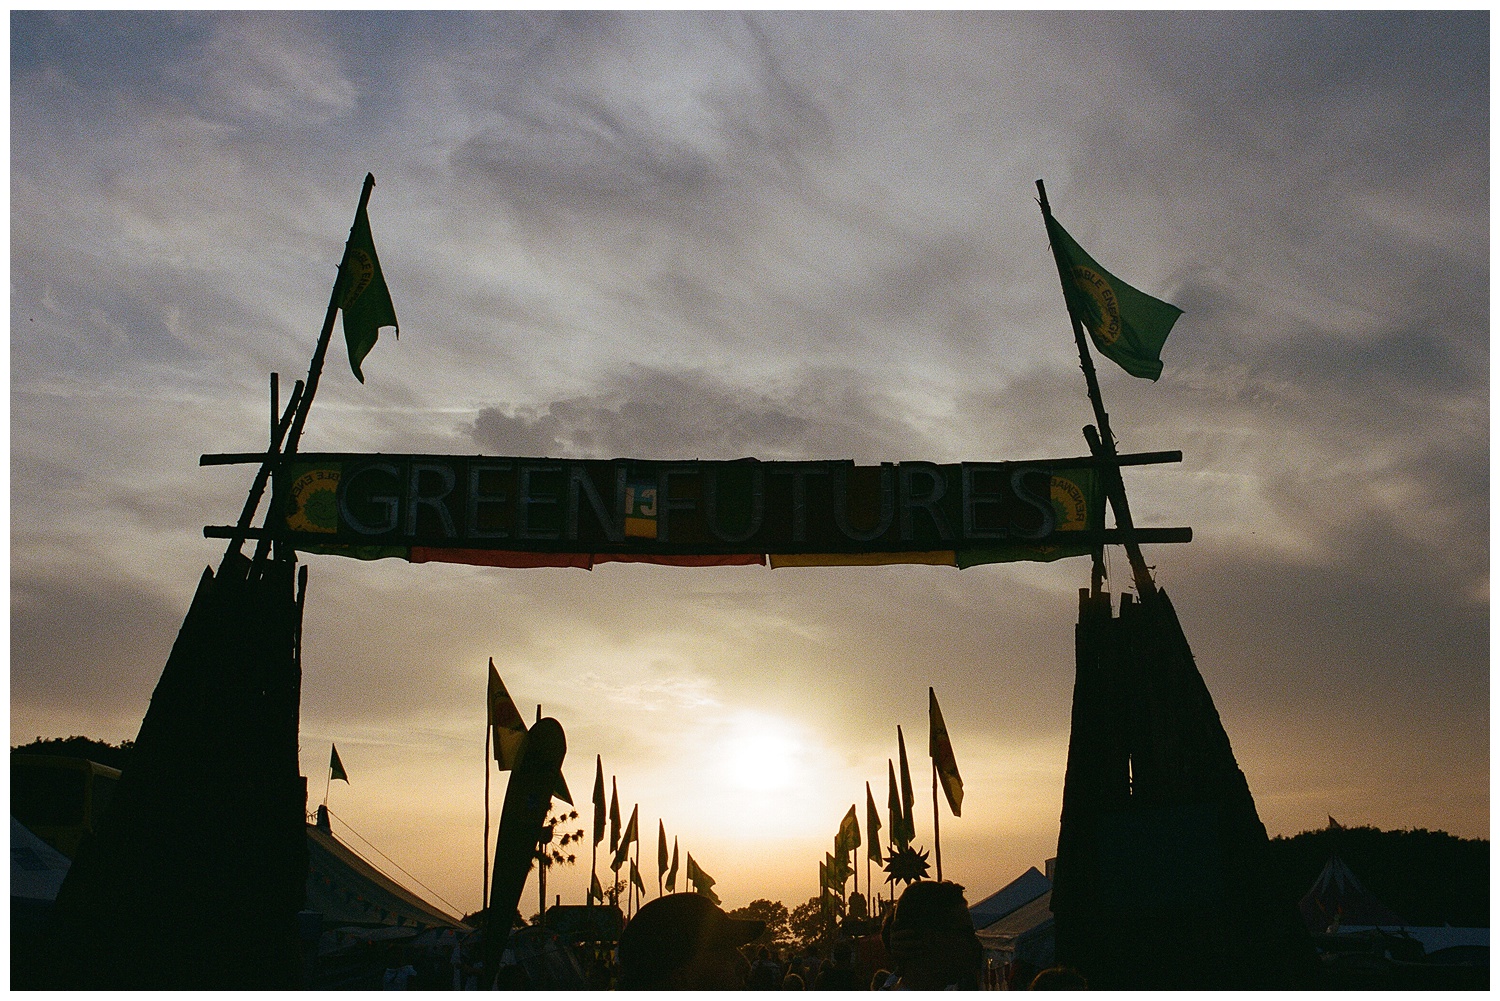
1113	484
485	896
937	842
315	367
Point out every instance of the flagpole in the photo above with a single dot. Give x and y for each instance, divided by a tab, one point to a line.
485	896
1102	441
937	841
315	367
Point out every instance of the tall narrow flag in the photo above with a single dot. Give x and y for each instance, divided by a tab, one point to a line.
661	849
893	804
635	878
505	719
908	821
631	834
595	890
336	767
848	838
510	731
672	872
703	883
363	297
614	814
1128	327
599	807
872	826
941	750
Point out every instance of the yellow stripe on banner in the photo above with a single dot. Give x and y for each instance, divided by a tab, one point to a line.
937	558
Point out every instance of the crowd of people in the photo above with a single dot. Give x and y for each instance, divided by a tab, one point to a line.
684	941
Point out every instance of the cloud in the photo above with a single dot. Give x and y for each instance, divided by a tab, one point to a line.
659	414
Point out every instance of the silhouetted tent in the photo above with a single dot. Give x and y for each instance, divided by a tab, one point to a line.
1016	923
347	890
37	871
1339	899
1022	890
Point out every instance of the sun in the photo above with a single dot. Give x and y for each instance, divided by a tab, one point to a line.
760	753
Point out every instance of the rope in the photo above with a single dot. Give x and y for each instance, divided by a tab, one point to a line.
455	908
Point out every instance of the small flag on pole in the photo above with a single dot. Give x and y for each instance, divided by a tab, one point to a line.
672	872
595	890
872	825
599	807
631	834
614	815
893	805
363	297
635	878
941	750
509	727
908	821
848	837
1128	326
661	849
336	767
510	732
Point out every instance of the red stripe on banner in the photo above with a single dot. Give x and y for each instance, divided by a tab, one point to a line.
737	560
499	558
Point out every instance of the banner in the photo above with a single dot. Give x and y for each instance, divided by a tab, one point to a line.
571	512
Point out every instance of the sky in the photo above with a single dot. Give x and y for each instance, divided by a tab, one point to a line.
789	236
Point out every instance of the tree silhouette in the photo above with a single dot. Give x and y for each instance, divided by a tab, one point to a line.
553	849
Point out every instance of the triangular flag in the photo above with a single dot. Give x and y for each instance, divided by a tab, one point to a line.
630	835
595	890
941	751
361	291
509	728
848	836
661	849
872	825
635	877
909	822
893	805
336	767
672	872
599	808
614	814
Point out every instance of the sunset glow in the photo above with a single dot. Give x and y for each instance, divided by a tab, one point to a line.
795	237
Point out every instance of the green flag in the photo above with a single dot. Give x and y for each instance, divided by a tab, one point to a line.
598	799
893	803
848	837
872	824
908	822
363	297
1127	326
632	833
336	767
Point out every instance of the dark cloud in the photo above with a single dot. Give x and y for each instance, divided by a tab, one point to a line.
657	414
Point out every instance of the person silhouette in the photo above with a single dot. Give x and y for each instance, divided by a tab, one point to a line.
930	938
683	941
